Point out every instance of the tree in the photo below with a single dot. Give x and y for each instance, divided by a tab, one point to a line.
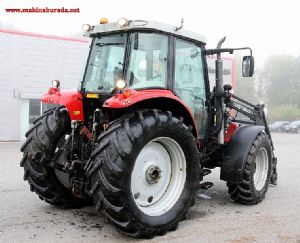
279	82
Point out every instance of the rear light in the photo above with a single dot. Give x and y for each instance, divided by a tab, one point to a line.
53	90
126	93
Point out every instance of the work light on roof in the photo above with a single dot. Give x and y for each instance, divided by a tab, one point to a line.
103	20
55	83
122	22
86	27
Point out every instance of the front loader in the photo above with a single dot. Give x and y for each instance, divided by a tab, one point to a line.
144	129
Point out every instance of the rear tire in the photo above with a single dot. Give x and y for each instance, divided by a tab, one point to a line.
123	150
256	174
38	151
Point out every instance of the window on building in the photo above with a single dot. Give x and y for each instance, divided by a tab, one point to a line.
36	109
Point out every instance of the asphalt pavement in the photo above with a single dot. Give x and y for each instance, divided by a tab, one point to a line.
214	218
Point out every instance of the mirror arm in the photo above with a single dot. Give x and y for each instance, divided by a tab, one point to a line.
222	50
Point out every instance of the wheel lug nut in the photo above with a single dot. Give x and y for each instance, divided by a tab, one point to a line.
136	195
150	199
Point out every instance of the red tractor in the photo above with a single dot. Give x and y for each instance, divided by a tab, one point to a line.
144	128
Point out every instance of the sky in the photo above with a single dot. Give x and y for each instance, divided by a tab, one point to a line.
268	27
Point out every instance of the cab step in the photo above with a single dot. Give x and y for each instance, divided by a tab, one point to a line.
206	172
206	185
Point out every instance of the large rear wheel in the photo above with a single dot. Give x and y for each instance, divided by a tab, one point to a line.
145	172
38	150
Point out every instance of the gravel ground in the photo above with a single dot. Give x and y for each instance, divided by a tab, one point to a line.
214	218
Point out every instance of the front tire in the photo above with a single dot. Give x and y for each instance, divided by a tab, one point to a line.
256	174
145	172
38	151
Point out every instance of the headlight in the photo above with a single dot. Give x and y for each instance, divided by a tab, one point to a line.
56	83
86	27
120	84
123	22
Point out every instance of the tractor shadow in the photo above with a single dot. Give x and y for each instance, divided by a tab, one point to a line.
89	225
209	202
85	223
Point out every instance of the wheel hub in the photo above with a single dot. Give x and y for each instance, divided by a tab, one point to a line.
158	176
261	168
153	174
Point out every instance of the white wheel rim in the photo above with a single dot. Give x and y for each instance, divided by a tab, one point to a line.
158	176
262	168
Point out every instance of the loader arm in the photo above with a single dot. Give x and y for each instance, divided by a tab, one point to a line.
256	116
255	113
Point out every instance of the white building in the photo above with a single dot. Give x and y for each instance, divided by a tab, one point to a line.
28	63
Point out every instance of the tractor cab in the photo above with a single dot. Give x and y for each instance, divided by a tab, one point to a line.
136	57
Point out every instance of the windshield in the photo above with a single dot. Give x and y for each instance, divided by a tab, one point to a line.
105	64
147	62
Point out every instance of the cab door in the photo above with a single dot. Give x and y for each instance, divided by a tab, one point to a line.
189	81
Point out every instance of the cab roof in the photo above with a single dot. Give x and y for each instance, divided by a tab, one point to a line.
145	25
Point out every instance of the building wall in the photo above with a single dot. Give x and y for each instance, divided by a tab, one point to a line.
28	63
5	86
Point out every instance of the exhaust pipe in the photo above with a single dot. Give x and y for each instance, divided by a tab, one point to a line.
220	100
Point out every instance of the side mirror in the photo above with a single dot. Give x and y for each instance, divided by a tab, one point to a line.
248	66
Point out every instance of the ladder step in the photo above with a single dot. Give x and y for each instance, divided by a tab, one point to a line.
206	172
206	185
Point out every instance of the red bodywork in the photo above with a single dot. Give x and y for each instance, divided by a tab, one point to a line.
230	131
71	99
131	97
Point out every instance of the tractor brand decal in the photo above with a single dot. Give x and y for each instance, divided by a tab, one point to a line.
213	71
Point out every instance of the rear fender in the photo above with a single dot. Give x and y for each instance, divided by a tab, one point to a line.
237	151
154	99
71	99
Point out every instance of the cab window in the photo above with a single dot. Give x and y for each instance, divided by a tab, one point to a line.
148	61
189	83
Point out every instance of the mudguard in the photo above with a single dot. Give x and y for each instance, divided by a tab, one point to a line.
71	99
236	153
